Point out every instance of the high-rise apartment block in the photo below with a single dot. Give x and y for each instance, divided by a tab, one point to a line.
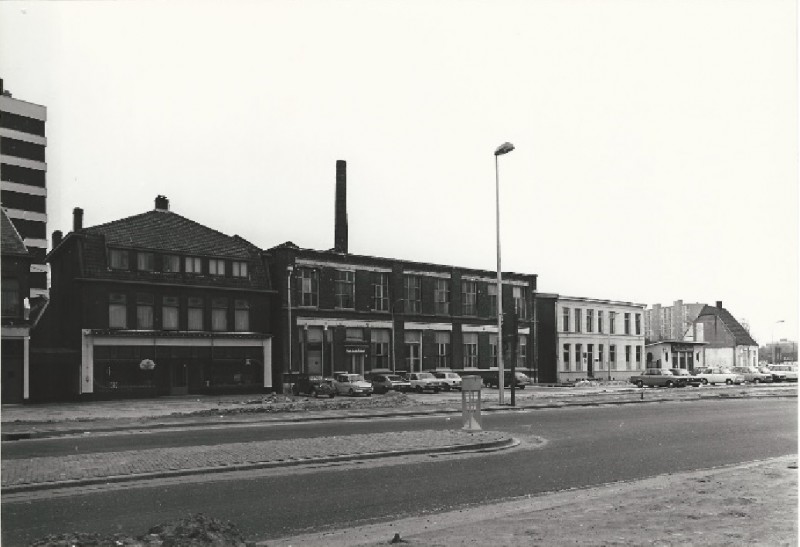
23	179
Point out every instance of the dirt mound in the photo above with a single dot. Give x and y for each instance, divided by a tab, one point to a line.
193	531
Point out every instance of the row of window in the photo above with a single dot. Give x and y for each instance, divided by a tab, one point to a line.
380	340
169	313
580	359
345	290
120	259
572	321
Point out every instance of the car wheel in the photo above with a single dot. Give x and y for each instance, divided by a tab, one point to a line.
314	393
639	383
670	383
351	392
418	389
756	380
705	382
729	382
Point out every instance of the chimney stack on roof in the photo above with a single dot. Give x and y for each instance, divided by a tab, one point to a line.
719	304
162	203
58	236
77	219
340	228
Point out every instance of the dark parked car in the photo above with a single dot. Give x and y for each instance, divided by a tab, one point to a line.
313	386
690	378
493	380
384	383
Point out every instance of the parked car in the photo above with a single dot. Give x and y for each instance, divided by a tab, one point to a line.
656	377
789	371
313	386
383	383
424	381
752	374
690	378
450	380
493	379
713	376
777	375
347	383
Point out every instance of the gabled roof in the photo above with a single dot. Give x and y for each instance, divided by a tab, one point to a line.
11	242
161	230
740	335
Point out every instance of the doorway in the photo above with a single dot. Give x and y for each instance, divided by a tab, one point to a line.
179	384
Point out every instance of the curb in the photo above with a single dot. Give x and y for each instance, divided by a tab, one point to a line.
501	444
27	435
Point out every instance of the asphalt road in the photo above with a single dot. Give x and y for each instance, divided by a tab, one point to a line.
584	446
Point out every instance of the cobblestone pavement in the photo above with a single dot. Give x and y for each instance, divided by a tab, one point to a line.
23	474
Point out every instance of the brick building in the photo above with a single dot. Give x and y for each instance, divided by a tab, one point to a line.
154	304
728	344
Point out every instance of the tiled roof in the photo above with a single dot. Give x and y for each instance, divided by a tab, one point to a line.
10	240
167	231
741	336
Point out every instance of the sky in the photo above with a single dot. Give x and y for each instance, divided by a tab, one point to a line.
656	140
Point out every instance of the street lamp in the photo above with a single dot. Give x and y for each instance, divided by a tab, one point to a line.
504	148
394	356
773	339
289	270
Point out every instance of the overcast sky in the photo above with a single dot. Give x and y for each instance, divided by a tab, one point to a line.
656	141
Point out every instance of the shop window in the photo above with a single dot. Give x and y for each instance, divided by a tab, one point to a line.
195	314
379	339
144	311
413	346
442	349
470	349
169	313
241	319
219	314
117	311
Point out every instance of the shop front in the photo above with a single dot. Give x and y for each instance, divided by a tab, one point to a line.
121	365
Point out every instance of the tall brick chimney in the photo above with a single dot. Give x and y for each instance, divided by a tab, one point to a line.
58	237
77	219
162	203
719	304
340	230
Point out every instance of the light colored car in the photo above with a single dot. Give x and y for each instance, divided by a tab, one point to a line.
424	381
776	375
789	371
691	379
450	380
752	374
712	376
347	383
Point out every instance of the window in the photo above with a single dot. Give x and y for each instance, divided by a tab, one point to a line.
118	259
216	266
491	290
193	265
639	356
566	358
520	302
441	296
493	346
627	323
354	335
413	342
241	315
413	290
308	280
578	319
578	357
442	349
169	313
144	311
117	311
239	269
171	264
565	320
469	297
379	339
345	288
470	349
638	324
612	322
522	351
600	321
196	313
589	355
589	320
11	300
612	355
219	314
380	292
145	262
600	360
628	357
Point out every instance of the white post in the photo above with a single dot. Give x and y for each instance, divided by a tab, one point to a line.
500	364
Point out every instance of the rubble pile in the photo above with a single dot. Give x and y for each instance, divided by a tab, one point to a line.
193	531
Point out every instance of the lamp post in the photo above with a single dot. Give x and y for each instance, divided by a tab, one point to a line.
773	339
504	148
393	349
289	270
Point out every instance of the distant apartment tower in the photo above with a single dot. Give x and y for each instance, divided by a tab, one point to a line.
23	179
671	322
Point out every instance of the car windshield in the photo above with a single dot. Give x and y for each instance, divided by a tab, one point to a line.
425	375
394	378
354	378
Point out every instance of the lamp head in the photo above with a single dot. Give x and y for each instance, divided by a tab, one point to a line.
504	148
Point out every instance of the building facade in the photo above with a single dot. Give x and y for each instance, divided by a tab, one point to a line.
599	339
154	304
23	187
728	344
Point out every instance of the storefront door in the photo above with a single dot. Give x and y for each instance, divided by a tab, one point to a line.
357	363
179	379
